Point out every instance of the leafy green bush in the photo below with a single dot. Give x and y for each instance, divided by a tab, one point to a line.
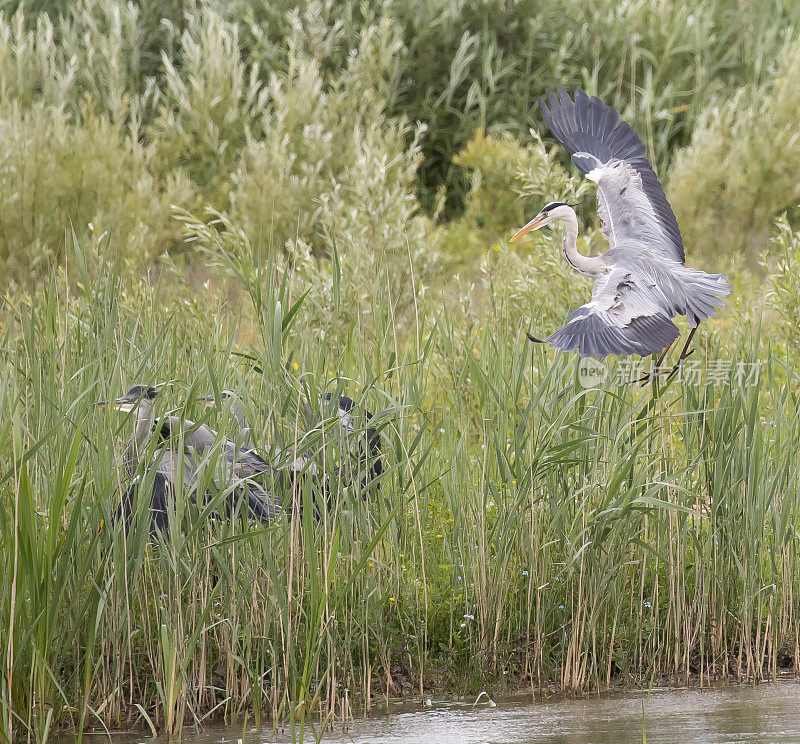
55	173
70	147
784	277
471	65
741	168
331	173
274	111
211	100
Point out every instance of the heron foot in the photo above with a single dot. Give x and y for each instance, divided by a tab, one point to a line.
685	352
654	372
658	372
648	376
679	363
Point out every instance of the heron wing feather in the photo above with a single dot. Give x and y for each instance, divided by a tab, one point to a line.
632	204
626	315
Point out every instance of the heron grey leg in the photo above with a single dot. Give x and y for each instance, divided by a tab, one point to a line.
644	379
684	353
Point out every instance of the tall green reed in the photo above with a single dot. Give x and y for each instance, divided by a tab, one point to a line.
526	529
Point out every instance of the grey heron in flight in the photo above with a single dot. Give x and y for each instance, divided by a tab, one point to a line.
232	471
641	283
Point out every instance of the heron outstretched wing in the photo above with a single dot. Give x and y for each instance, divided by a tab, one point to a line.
626	315
632	204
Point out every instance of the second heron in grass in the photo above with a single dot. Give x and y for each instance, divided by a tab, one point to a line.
181	450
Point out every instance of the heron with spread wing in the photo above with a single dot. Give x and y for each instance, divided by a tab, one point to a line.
641	283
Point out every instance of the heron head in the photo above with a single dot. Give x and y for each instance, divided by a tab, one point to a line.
211	400
552	211
131	399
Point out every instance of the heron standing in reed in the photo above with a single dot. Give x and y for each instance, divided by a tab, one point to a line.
365	445
641	283
198	445
365	448
244	437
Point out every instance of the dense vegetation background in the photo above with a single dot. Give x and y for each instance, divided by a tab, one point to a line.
310	121
286	197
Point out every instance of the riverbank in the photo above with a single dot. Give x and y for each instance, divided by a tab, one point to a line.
729	713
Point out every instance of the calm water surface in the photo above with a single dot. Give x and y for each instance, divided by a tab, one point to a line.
767	713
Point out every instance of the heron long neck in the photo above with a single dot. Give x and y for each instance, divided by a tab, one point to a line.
245	433
238	413
144	425
585	264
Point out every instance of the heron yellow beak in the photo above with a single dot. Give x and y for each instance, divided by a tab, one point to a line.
534	224
120	404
